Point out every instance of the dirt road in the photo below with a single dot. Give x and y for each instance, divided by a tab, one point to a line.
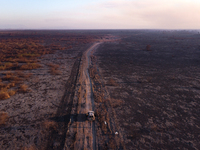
85	130
81	133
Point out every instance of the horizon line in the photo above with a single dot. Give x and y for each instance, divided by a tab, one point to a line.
93	29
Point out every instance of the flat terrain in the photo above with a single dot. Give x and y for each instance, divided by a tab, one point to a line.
35	111
143	85
153	79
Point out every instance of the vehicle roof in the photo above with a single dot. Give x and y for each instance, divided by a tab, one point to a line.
90	111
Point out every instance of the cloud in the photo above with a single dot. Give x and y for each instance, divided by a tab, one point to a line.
148	13
115	14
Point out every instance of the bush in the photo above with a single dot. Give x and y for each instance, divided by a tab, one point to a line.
3	117
11	92
23	88
30	148
30	66
50	125
4	95
112	82
148	47
54	69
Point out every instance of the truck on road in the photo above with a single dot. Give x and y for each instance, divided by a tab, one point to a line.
90	115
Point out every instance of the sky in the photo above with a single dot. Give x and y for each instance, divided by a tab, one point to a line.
99	14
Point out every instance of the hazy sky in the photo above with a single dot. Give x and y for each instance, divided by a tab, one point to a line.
99	14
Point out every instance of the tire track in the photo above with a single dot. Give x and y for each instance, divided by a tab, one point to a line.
88	54
81	133
85	137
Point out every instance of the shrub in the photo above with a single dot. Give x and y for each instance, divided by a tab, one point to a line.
11	92
4	95
2	67
116	102
153	127
23	88
7	77
8	86
148	47
54	69
2	85
50	125
30	148
28	75
112	82
3	117
53	65
30	66
8	65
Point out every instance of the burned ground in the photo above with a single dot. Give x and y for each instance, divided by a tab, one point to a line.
38	109
158	87
145	86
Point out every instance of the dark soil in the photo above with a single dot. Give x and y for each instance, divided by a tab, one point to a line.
157	76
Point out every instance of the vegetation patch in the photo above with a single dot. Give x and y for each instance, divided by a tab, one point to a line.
112	82
3	118
54	69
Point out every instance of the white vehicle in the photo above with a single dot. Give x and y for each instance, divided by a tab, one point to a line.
90	115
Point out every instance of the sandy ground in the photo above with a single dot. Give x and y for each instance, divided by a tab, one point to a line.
84	129
84	134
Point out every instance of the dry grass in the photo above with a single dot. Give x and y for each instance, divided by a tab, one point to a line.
23	88
12	92
30	66
12	79
50	125
8	75
30	148
4	95
23	75
28	75
112	82
53	65
3	117
54	69
9	85
11	76
2	85
116	102
154	127
7	66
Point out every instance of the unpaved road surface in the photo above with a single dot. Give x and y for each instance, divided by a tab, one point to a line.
84	134
81	133
85	129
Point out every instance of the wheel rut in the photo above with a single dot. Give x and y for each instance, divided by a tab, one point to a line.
81	132
74	131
